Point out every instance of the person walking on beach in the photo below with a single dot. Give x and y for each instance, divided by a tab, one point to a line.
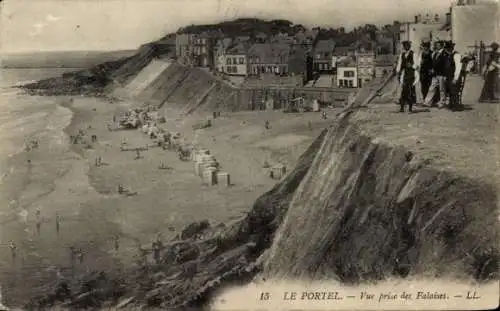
24	215
72	254
117	242
407	71
38	221
80	255
13	250
58	222
490	74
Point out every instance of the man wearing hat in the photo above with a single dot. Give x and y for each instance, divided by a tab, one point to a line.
425	67
408	74
438	80
455	76
490	74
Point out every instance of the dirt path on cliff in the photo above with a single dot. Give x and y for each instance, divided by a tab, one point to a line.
465	142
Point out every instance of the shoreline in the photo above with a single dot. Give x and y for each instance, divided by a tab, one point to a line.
93	213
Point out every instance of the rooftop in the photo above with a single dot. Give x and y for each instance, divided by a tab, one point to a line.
237	49
347	62
325	46
269	52
344	49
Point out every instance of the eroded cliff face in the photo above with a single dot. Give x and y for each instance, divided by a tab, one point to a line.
367	211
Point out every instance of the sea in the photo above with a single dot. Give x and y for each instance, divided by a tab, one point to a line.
25	119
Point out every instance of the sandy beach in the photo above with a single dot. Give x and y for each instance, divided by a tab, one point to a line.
94	217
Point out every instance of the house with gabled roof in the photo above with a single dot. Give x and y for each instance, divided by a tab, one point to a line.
322	55
220	53
237	60
268	58
347	73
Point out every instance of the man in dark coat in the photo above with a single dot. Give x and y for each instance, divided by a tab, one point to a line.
425	67
438	82
458	67
408	74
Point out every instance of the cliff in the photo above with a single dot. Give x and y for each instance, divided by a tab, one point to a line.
96	80
378	195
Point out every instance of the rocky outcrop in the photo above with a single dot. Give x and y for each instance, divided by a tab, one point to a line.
98	80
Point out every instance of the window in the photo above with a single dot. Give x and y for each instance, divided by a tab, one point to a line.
242	60
228	69
351	84
325	54
341	83
318	56
257	59
203	49
348	74
228	61
235	70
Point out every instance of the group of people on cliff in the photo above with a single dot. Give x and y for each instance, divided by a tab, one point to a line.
442	74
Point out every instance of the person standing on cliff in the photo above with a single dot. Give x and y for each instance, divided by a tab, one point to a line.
490	74
425	68
455	76
408	74
438	82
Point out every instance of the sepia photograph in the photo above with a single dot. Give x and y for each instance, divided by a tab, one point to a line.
249	154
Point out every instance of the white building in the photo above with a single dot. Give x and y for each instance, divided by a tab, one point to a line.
347	73
471	24
423	28
365	61
236	60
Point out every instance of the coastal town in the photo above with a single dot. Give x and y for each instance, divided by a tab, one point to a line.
315	57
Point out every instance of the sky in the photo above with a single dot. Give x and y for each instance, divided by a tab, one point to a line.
60	25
